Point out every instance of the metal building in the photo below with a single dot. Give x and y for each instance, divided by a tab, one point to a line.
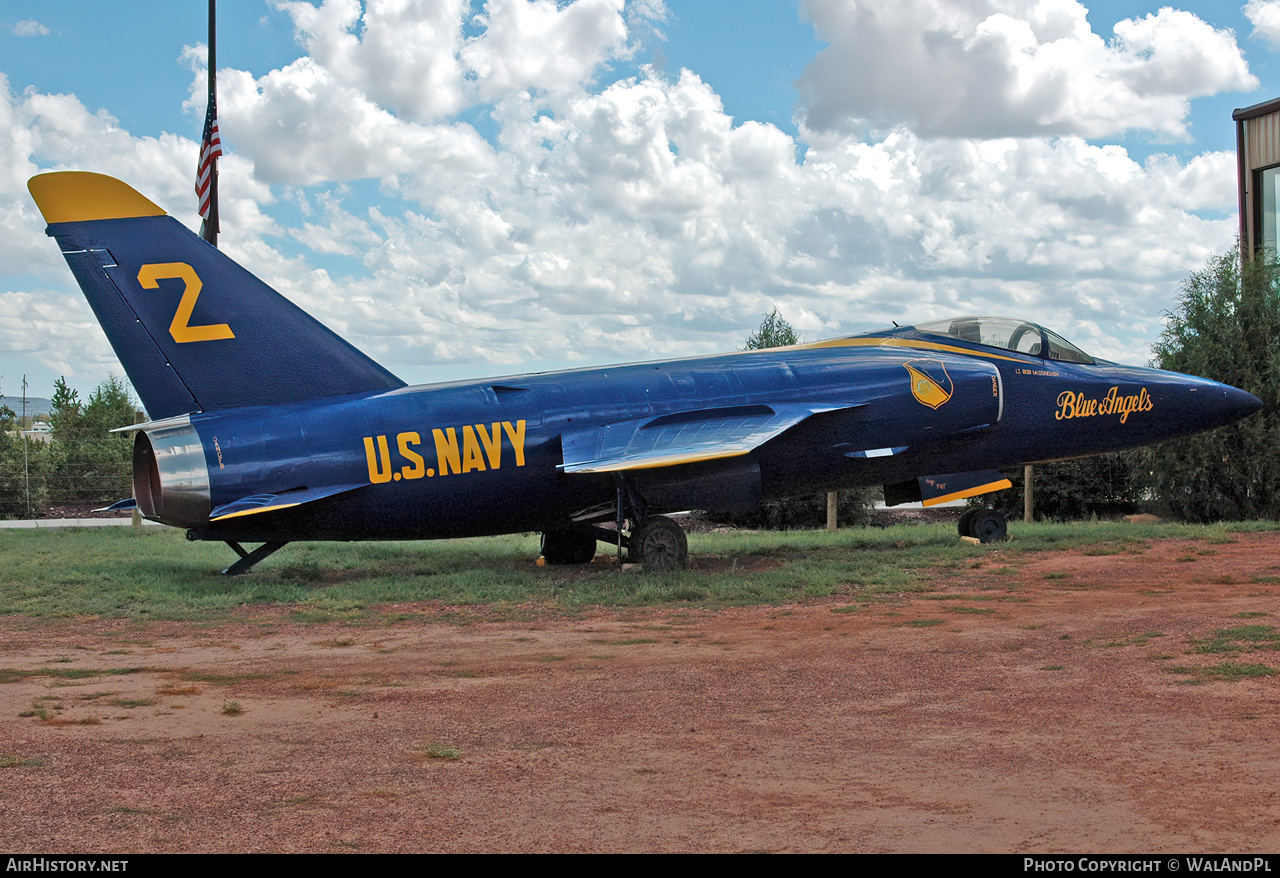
1258	164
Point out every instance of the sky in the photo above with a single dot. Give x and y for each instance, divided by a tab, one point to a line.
468	189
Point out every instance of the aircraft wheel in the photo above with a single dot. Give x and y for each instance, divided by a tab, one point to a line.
659	544
989	526
965	524
568	547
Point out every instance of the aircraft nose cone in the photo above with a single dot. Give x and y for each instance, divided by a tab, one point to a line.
1246	403
1234	404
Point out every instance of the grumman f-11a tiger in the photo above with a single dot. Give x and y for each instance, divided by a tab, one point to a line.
268	428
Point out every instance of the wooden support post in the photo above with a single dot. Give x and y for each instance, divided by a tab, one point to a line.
1028	502
832	497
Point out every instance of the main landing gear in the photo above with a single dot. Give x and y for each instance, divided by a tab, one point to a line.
986	525
659	543
568	547
655	541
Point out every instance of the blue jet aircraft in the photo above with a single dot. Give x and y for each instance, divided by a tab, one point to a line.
269	428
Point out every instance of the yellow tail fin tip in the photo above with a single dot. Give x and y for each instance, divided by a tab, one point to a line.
77	196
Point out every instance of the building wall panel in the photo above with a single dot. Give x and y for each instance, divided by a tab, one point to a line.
1263	138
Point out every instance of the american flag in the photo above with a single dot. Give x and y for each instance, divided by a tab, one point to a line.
210	149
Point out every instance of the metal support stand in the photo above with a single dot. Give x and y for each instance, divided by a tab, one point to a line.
621	520
248	559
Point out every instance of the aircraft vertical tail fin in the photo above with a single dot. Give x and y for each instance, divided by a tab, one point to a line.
194	330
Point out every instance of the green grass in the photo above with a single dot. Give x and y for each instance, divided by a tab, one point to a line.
1239	639
1233	671
440	751
154	573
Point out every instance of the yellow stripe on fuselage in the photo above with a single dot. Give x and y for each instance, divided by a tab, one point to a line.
912	343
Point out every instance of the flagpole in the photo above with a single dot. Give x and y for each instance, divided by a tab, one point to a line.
210	145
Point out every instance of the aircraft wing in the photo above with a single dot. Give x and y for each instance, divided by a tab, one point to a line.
682	437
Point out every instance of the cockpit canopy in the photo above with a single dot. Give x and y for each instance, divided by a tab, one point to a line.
1009	334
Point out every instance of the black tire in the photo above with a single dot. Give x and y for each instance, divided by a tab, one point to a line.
568	547
965	524
659	544
989	526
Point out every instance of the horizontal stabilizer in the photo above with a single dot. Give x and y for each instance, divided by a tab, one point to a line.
257	503
683	437
128	503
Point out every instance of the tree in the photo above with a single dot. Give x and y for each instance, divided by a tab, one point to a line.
1227	328
88	463
12	496
110	406
64	412
21	469
774	332
8	417
810	511
1102	485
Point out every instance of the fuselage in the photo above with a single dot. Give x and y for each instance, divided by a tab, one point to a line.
487	457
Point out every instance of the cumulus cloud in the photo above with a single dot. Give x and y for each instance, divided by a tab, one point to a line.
998	68
633	218
664	228
544	45
342	233
428	59
29	28
1265	17
301	125
404	56
56	329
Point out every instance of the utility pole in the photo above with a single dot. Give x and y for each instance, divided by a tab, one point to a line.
1028	501
26	466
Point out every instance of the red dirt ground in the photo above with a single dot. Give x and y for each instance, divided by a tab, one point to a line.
1043	703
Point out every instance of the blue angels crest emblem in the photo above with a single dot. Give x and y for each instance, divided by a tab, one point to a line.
930	383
